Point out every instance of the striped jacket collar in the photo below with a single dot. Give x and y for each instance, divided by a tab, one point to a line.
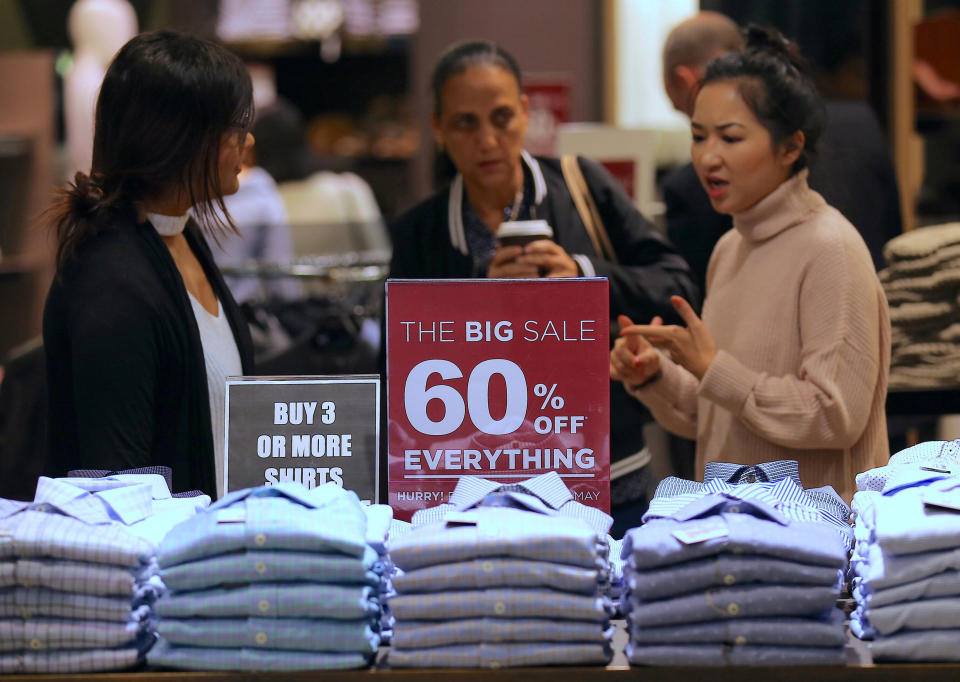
458	236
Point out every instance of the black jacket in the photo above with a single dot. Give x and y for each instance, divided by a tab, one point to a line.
852	170
126	377
648	273
649	269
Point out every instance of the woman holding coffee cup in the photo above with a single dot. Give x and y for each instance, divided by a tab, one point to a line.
790	359
480	119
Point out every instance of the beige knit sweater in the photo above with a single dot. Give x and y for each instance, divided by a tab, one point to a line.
803	335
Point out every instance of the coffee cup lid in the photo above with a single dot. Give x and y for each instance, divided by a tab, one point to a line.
525	228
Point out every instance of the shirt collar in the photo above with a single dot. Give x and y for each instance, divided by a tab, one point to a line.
458	235
126	502
759	473
548	488
157	483
712	505
317	498
168	225
786	206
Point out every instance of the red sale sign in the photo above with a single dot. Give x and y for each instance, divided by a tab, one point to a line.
505	379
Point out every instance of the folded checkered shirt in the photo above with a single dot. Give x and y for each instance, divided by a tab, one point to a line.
295	634
413	634
282	600
502	603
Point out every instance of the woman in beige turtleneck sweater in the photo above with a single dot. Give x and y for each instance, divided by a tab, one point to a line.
791	358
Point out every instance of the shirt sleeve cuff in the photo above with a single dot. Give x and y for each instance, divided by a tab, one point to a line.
586	267
727	382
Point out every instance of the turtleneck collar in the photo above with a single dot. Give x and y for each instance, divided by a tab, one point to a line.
168	225
784	207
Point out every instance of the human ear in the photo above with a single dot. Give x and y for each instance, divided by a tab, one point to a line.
436	130
791	149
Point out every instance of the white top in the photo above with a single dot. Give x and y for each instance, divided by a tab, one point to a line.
222	359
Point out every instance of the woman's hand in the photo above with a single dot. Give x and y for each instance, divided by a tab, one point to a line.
505	263
633	360
691	346
550	259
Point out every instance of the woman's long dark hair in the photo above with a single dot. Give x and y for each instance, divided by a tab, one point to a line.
166	102
773	79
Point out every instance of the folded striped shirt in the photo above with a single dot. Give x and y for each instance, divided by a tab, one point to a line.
63	662
77	576
43	633
33	602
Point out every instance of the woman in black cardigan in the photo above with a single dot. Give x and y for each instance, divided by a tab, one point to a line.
136	286
480	119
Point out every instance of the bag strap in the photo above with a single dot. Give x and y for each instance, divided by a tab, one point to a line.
586	207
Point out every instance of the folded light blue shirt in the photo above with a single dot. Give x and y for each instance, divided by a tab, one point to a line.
781	631
411	634
500	655
925	614
326	519
500	532
50	634
717	524
282	600
297	634
32	602
727	570
252	566
496	572
734	602
722	654
945	584
921	645
78	576
167	655
501	603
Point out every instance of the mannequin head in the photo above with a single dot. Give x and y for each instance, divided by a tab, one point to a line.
99	28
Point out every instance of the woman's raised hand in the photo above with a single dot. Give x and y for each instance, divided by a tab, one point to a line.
633	360
691	347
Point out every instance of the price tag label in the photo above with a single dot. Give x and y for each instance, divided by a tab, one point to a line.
311	430
505	379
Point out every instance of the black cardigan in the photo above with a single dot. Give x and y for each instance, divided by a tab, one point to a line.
649	269
126	377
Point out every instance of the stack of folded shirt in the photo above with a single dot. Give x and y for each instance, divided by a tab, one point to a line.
77	573
739	577
922	284
270	578
905	567
380	522
506	581
933	456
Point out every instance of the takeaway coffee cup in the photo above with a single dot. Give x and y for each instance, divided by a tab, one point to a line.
522	232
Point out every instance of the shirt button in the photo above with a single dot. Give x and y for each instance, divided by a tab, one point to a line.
26	582
740	640
733	609
487	566
260	567
751	478
260	539
26	614
734	510
729	579
499	608
41	507
264	606
494	664
737	550
261	638
36	644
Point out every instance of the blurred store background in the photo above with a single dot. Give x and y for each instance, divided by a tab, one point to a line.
343	126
